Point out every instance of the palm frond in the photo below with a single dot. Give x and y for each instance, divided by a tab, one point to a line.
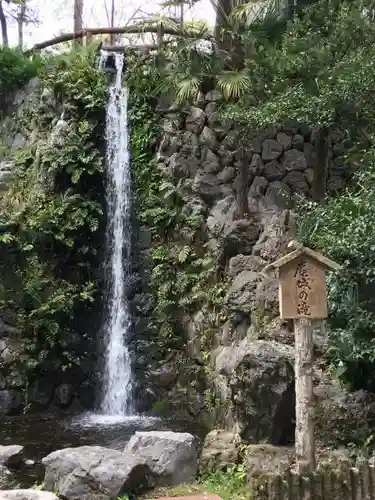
225	21
268	26
187	89
263	21
171	3
198	27
247	12
233	84
157	21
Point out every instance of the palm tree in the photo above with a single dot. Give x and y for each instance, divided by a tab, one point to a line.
201	58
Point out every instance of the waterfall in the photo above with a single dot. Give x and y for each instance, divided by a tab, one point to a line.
117	388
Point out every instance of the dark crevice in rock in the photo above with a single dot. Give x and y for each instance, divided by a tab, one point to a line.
284	419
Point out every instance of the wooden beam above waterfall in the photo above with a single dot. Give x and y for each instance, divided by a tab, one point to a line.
125	48
89	33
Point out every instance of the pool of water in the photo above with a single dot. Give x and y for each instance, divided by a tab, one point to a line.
42	434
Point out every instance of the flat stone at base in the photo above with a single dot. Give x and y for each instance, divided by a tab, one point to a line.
191	497
27	495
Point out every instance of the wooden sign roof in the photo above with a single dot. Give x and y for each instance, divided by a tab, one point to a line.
302	288
300	250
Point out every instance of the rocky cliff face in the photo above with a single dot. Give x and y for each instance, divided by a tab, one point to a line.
33	374
234	365
231	362
13	379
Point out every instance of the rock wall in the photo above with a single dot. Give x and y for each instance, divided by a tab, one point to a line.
244	378
281	162
24	386
235	368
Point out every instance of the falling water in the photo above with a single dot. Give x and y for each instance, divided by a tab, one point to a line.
117	389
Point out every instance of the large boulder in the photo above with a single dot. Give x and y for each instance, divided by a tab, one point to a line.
342	417
208	139
271	150
260	377
172	456
219	450
241	263
297	182
241	294
94	473
268	459
267	297
294	160
240	237
196	120
27	495
278	196
207	186
278	230
11	456
221	216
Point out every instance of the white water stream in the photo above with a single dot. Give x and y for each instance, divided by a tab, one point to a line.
117	398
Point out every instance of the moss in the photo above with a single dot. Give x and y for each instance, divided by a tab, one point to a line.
163	407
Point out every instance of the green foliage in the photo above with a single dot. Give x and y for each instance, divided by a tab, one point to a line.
230	484
201	60
75	76
343	229
55	202
182	266
16	70
320	71
188	69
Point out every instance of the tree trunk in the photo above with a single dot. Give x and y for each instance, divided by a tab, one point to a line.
305	439
21	23
112	22
3	24
182	17
228	43
223	9
321	166
112	14
77	16
289	9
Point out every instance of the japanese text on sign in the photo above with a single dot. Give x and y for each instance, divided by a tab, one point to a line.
303	288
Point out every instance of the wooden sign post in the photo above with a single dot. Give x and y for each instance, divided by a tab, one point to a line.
302	297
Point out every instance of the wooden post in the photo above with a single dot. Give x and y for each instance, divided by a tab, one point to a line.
303	369
302	297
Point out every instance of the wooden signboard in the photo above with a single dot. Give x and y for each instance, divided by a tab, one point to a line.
303	298
302	289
